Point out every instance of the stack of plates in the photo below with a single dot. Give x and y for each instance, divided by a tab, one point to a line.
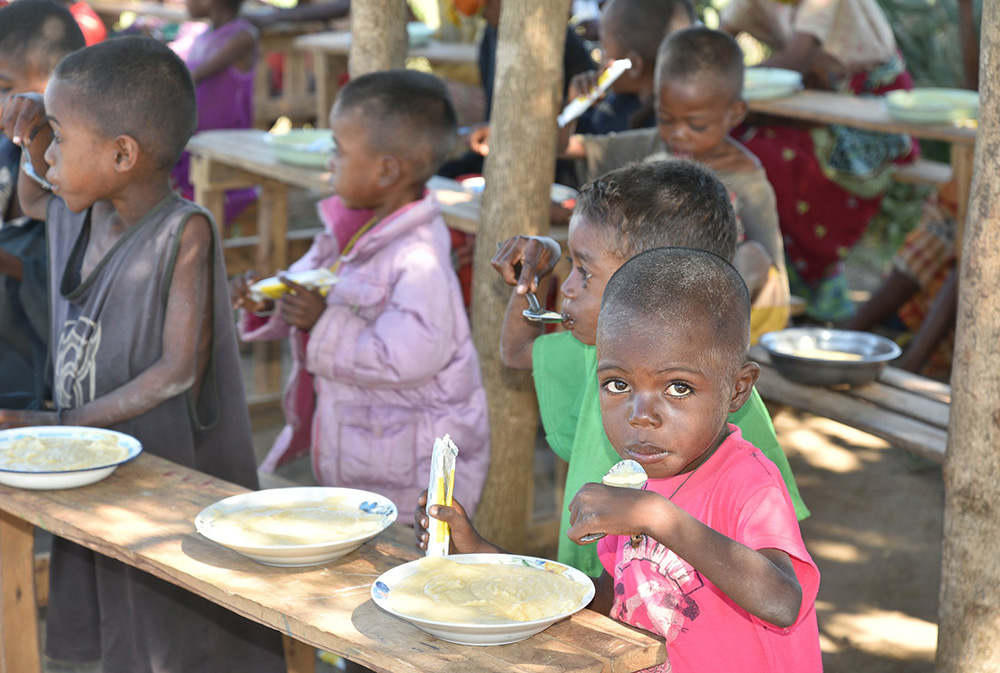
933	105
760	83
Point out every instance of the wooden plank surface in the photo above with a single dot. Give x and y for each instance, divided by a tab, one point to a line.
144	515
246	151
871	113
911	421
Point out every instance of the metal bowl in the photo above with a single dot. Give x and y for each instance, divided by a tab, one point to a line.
790	353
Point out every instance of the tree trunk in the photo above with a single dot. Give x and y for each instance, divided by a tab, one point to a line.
969	611
519	172
378	36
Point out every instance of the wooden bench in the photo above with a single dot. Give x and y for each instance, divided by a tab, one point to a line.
908	411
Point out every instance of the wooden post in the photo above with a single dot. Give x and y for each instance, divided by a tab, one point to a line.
519	171
19	644
378	36
969	610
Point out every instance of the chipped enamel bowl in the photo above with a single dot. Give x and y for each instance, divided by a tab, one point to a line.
54	478
481	634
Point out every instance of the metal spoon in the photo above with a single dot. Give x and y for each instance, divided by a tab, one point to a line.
29	170
623	474
536	313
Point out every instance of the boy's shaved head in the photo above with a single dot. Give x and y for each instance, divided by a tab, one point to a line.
408	113
660	204
703	54
138	87
683	286
38	33
640	25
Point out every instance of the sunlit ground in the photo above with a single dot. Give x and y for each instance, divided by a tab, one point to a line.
875	534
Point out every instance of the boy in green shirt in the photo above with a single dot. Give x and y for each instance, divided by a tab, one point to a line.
617	216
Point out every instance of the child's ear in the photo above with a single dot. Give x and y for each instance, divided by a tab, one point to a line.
737	112
745	380
391	170
638	65
126	153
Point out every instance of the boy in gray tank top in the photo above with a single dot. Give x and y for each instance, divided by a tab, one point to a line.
143	341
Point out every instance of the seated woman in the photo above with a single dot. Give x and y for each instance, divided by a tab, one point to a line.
829	181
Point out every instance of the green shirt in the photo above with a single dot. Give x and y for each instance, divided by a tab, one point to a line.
565	372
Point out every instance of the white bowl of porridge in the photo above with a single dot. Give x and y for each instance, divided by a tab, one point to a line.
299	526
482	599
53	457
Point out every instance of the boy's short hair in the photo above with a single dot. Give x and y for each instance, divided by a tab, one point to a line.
38	33
408	113
680	285
702	53
138	87
642	24
656	204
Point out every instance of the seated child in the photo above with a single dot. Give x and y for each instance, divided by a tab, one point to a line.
34	35
700	99
920	294
719	569
631	29
143	341
222	58
385	362
617	216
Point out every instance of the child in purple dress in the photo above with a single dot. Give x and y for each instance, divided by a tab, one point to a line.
222	57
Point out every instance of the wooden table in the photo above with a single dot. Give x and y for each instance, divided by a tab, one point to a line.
331	49
907	410
871	114
232	159
143	515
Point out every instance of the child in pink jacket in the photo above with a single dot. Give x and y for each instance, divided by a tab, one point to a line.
384	363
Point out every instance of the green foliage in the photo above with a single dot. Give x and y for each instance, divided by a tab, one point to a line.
927	34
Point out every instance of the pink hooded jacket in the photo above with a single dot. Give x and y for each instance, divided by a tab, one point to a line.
389	366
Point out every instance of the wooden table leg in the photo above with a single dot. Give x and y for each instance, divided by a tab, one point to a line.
328	68
19	645
272	254
961	166
299	657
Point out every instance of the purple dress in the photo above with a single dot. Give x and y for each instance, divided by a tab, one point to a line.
225	100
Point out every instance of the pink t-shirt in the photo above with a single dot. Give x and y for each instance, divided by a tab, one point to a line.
739	493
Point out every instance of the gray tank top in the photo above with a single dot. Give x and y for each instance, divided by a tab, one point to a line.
107	328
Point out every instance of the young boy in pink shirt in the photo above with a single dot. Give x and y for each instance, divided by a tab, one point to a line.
708	554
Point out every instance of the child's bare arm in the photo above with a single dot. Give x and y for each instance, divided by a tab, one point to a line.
238	51
570	146
176	370
762	582
536	256
22	120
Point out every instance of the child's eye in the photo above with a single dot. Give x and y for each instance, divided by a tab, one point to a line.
616	386
679	389
699	128
584	274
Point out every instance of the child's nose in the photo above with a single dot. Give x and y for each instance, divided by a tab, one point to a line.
643	411
568	287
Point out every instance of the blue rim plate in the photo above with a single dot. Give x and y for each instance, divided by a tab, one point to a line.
56	479
481	634
296	555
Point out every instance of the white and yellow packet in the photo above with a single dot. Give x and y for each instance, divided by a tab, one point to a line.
273	288
581	104
439	492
